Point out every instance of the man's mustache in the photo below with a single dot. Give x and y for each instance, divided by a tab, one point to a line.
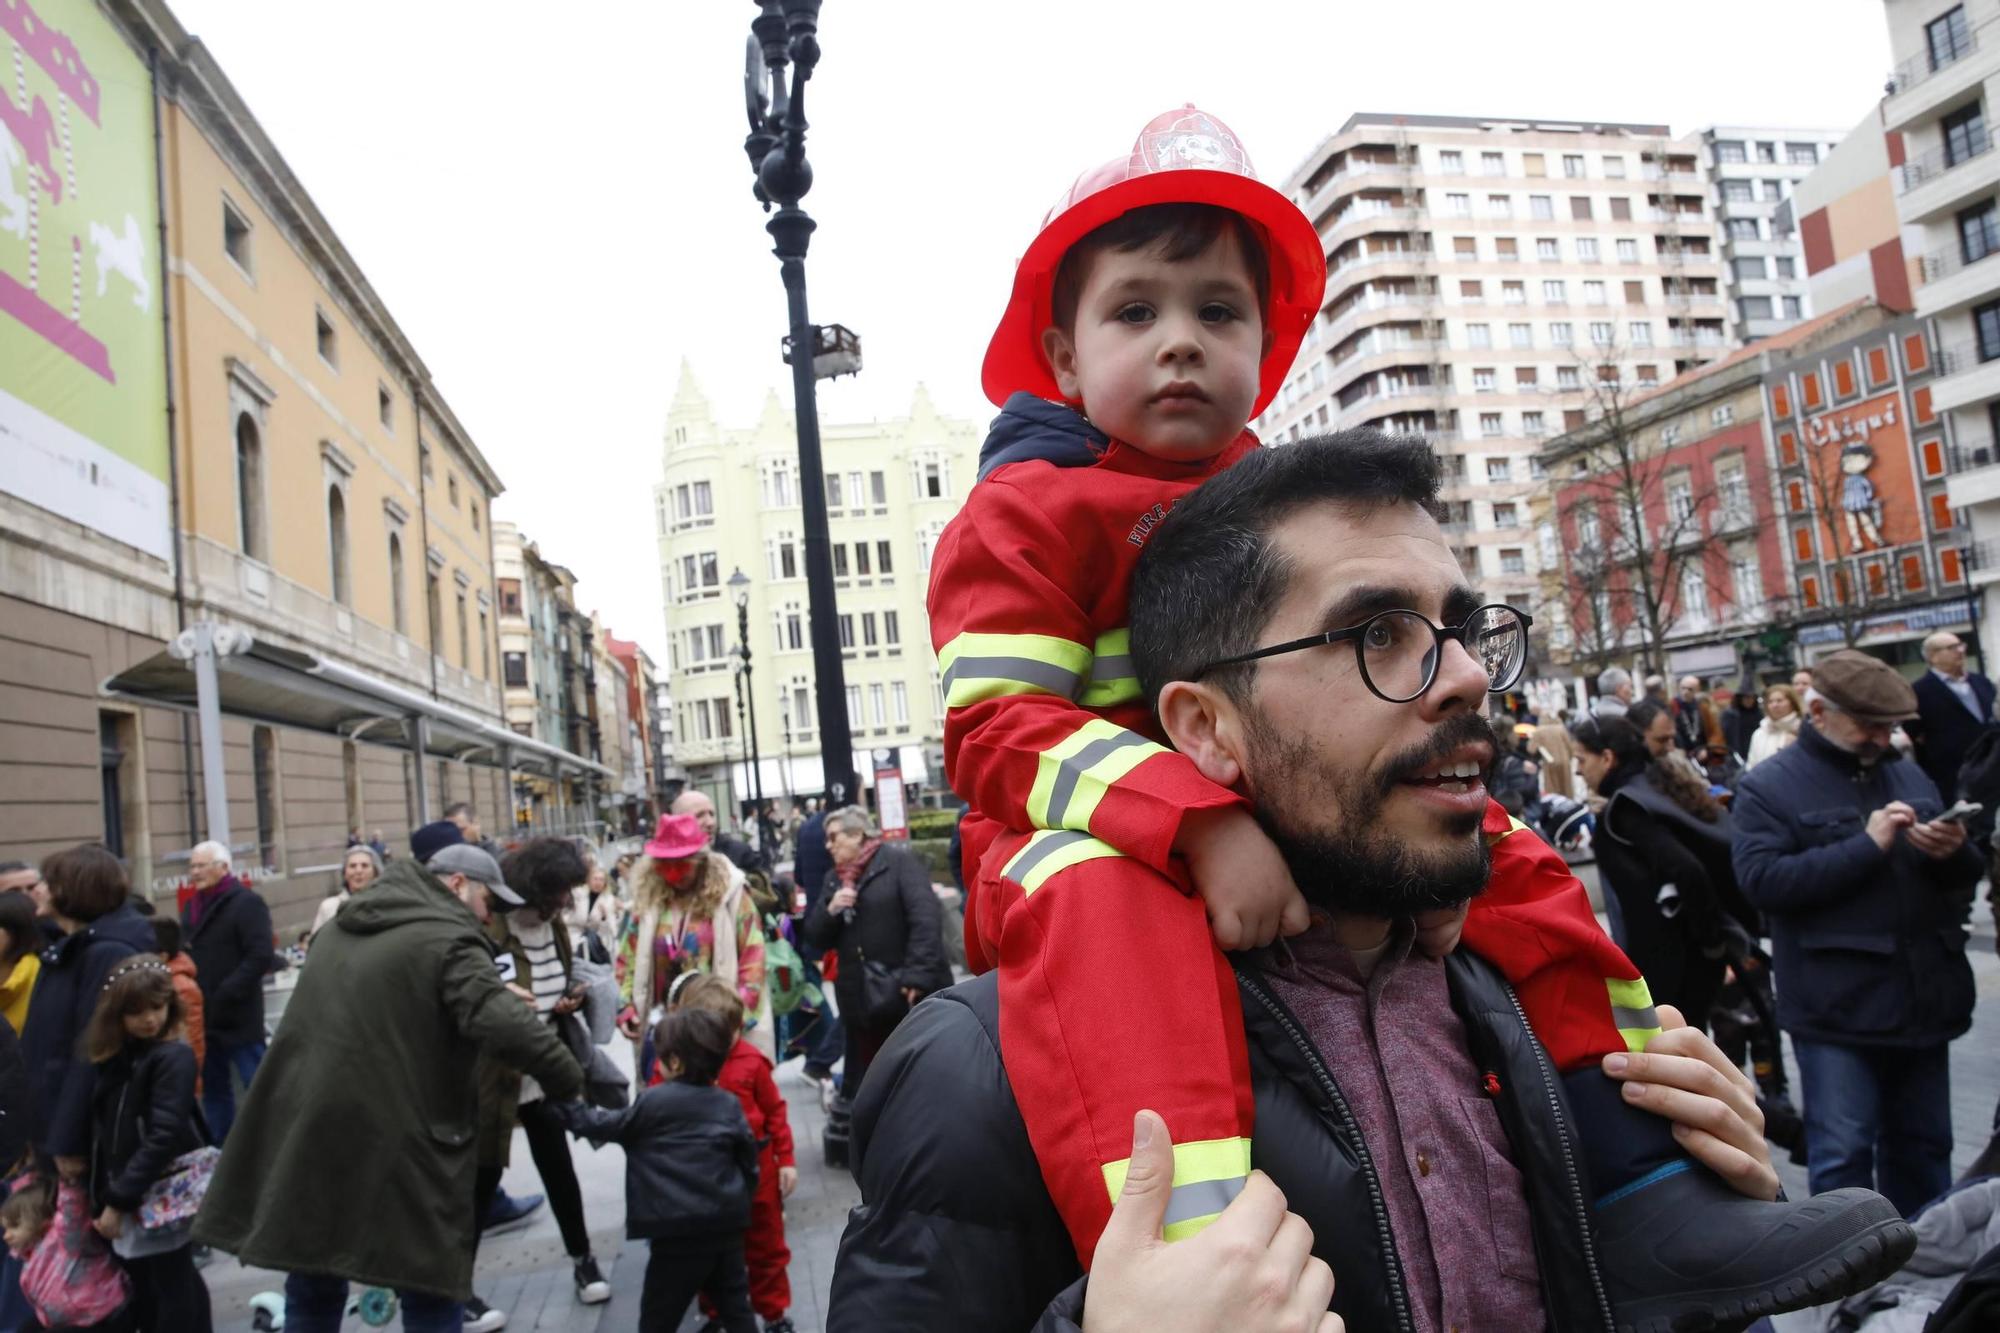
1454	733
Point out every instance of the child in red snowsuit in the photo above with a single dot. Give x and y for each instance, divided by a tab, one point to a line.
1104	869
747	1073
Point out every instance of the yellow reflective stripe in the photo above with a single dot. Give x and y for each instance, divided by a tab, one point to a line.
1632	1012
990	666
1052	851
1208	1173
1113	680
1073	775
1513	826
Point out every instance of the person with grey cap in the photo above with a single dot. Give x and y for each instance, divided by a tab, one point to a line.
1866	892
354	1156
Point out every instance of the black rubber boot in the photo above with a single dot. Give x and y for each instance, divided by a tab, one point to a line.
1688	1253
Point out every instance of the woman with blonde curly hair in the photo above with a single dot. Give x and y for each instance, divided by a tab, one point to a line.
691	912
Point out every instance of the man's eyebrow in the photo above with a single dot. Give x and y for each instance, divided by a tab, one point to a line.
1359	603
1461	602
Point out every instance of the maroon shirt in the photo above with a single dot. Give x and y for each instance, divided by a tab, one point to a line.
1397	1050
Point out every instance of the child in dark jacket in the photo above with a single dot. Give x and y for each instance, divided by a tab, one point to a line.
690	1170
746	1074
142	1118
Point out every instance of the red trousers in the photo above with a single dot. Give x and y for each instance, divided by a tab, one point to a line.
1085	939
765	1253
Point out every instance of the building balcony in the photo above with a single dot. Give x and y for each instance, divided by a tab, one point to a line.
1965	378
1976	483
1918	90
1373	353
1385	308
1358	219
1951	282
1352	179
1931	185
1380	264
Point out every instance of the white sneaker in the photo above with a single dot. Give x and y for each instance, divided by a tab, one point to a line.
483	1318
591	1288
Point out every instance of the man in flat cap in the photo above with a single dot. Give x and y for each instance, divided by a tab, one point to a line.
1838	840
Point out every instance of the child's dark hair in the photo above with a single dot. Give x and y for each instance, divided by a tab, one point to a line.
135	985
166	936
32	1204
1183	231
699	1039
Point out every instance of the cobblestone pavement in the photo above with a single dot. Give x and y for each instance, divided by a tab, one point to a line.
526	1274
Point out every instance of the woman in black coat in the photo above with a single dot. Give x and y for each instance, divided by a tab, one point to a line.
1663	847
876	908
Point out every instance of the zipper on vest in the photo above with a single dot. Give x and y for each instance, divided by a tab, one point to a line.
1582	1207
1398	1289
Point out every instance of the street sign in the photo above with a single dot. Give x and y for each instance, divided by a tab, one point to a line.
889	808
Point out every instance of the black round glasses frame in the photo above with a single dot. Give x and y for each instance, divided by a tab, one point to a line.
1357	633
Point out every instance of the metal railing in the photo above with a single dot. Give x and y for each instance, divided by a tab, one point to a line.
1926	167
1939	264
1961	357
1920	68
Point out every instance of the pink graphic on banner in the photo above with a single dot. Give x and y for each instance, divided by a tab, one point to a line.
35	130
64	334
53	51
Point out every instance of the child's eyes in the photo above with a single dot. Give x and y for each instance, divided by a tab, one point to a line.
1136	313
1215	312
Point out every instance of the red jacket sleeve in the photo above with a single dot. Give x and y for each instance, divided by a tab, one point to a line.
777	1120
1016	645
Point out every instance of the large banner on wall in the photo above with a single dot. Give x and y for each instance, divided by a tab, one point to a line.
82	378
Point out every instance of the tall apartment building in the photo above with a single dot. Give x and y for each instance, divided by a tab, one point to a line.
1484	275
1945	84
727	505
1751	172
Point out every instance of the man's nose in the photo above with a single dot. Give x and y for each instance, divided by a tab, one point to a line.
1461	681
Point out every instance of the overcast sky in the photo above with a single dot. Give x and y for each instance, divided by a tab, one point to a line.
557	210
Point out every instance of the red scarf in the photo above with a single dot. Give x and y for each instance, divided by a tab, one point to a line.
850	874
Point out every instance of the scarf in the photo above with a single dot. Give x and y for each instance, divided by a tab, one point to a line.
851	873
659	901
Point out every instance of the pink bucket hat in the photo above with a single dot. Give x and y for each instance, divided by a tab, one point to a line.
677	838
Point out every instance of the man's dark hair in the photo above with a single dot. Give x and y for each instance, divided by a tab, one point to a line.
9	867
1641	712
699	1038
17	919
85	882
1184	231
457	808
544	871
1209	579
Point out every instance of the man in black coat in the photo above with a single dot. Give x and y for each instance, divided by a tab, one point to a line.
228	929
1953	706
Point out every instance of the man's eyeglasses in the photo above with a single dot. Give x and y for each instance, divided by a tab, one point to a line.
1398	651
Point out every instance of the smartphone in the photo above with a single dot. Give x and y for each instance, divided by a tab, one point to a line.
1961	813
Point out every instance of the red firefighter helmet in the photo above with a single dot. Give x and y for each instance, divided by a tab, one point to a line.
1184	156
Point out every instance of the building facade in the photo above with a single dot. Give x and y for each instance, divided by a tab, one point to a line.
728	505
1484	276
1751	173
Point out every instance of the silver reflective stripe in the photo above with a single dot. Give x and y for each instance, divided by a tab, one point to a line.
1036	853
1634	1018
1200	1198
1074	767
1111	668
1024	669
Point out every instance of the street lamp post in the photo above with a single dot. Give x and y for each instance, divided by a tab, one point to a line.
786	33
739	584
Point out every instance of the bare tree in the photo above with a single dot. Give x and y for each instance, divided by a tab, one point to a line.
1843	600
1594	633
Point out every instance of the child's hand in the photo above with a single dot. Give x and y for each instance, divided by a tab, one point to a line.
109	1223
1241	877
628	1023
1438	931
788	1180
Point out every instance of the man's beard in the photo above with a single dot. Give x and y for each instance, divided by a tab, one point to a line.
1328	825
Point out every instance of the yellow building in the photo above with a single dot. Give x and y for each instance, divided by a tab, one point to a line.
728	501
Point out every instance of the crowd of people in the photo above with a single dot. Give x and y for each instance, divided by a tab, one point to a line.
465	989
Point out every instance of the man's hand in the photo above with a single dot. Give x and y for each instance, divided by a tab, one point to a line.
1438	931
1937	839
842	900
1241	877
788	1180
1891	819
1251	1271
1685	1077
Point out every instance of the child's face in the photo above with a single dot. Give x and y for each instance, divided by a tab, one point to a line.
21	1236
146	1024
1165	356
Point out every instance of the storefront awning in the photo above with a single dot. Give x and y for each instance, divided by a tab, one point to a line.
288	688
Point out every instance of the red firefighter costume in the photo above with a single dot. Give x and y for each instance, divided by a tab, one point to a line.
1076	802
746	1072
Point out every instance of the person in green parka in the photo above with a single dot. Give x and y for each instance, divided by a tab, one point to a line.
354	1155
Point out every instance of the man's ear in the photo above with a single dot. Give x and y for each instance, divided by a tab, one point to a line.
1203	723
1060	349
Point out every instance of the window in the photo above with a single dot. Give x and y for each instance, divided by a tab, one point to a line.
1514	293
1470	290
704	500
1465	247
1482	379
1451	162
1730	150
1586	250
1793	308
236	236
451	488
1986	325
472	510
250	525
846	631
861	561
1773	191
1787	267
433	609
795	627
1747	579
1499	469
1628	251
840	560
329	352
1479	335
1614	167
385	407
1742	229
1573	165
717	648
1766	151
1555	291
1506	514
1635	293
514	669
1694	594
1566	378
1621	209
1680	498
1639	333
1947	38
936	481
1601	335
1979	231
1492	164
876	710
1531	164
510	596
398	613
1546	247
854	707
1489	423
1559	334
869	638
1541	207
1524	376
1589	529
1500	205
1520	335
1579	208
722	732
1748	266
1756	307
882	565
1593	293
1732	487
1738	192
1512	561
1458	205
878	488
1801	154
1964	134
892	630
336	544
1532	423
833	500
1506	247
899	703
464	634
